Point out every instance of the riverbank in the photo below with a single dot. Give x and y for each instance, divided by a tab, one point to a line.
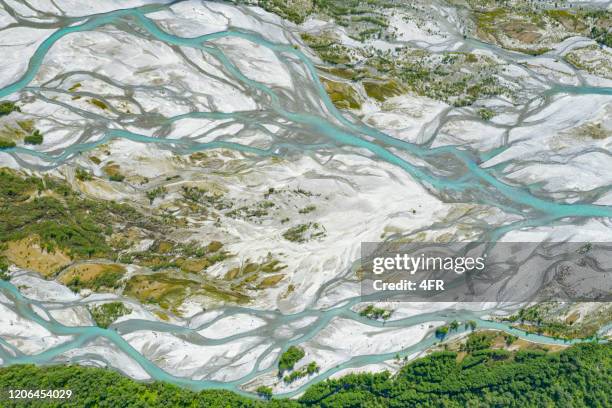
578	376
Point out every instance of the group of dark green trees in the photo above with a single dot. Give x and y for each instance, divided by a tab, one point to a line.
580	376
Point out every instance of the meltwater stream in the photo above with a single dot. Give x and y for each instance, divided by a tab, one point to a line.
355	135
339	131
83	335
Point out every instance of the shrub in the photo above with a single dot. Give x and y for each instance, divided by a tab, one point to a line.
104	315
441	332
35	138
264	392
82	174
486	114
6	144
290	357
6	107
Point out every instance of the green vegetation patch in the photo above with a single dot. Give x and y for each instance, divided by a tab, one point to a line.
519	25
98	103
442	331
453	77
169	289
105	314
4	265
7	144
12	133
304	232
382	90
328	48
159	288
74	87
268	265
525	21
61	217
305	371
35	138
596	24
479	341
593	59
270	281
253	212
307	209
342	94
264	392
375	313
106	280
521	379
113	171
20	130
361	19
487	20
98	387
7	107
155	193
190	256
289	358
205	198
292	10
82	174
26	125
602	36
93	276
24	130
486	114
217	290
546	318
252	275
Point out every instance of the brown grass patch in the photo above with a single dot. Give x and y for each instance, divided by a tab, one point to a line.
158	288
194	265
523	32
27	253
89	271
270	281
